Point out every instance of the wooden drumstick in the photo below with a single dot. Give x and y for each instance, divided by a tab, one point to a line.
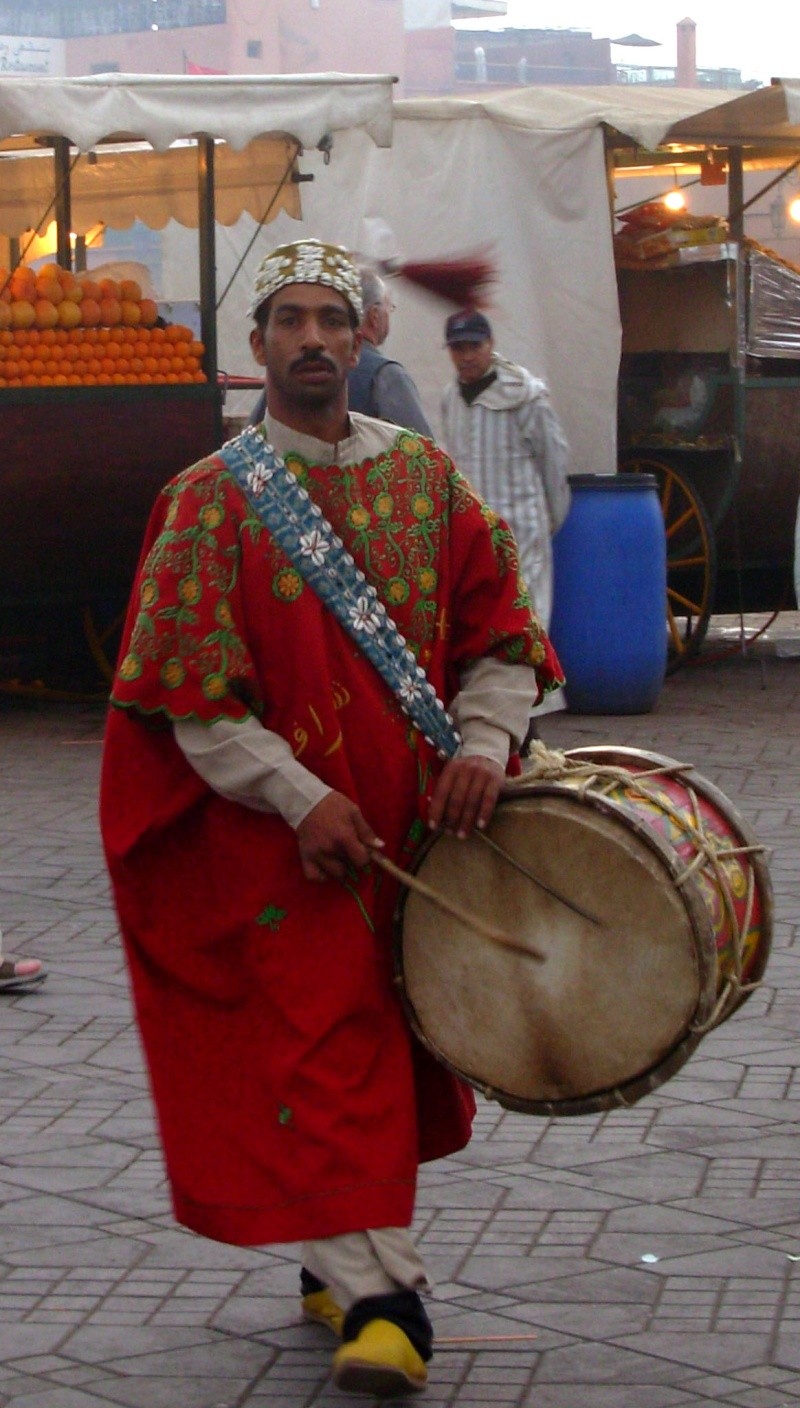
548	889
497	936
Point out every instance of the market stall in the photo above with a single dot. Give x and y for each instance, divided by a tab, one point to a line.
85	451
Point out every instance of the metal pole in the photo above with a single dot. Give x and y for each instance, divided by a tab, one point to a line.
736	193
63	204
208	253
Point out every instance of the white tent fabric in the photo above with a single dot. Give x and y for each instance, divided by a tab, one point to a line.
160	109
522	173
642	113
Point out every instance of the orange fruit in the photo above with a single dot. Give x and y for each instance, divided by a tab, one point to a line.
91	289
199	376
69	314
71	352
149	312
129	290
131	312
110	310
103	335
49	288
72	288
109	288
59	379
46	313
129	334
6	338
23	284
104	379
151	365
116	334
23	313
141	347
5	315
90	312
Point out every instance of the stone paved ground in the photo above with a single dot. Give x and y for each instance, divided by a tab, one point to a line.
644	1258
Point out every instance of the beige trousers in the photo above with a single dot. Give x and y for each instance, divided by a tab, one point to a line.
372	1263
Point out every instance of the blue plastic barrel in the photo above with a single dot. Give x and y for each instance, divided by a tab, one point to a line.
610	594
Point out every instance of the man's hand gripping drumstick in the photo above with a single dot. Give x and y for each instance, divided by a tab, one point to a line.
335	836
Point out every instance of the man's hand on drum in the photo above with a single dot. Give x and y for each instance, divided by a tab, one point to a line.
333	838
465	795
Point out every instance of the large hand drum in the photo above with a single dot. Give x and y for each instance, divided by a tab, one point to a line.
647	907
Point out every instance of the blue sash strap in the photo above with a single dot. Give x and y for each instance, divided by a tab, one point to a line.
300	528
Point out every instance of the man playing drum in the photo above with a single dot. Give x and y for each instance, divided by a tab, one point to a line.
256	768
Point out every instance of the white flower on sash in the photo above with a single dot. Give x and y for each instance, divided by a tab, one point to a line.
409	691
365	616
315	545
258	479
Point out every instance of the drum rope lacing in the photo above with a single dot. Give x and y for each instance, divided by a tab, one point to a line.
550	765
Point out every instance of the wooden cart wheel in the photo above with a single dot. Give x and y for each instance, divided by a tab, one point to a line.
691	557
102	629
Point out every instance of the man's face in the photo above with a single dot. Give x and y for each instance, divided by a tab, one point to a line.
472	360
307	345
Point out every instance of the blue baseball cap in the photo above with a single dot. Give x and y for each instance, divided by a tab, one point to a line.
466	327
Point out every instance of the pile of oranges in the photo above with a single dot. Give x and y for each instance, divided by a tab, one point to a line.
57	329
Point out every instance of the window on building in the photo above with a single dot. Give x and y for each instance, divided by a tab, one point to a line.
63	19
254	47
105	68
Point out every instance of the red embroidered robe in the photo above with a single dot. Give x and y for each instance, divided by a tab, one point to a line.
293	1100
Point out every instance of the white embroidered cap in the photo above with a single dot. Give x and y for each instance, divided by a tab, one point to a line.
308	262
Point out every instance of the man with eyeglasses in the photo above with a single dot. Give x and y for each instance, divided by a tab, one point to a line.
380	386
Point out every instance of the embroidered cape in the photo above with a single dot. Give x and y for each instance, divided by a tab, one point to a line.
292	1099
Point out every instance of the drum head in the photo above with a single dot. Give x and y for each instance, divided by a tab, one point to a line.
608	1014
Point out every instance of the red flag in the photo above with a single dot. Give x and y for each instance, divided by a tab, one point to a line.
189	67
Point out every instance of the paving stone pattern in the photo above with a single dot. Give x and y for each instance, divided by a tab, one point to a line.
642	1258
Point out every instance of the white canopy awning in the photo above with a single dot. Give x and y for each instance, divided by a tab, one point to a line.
643	113
160	109
258	124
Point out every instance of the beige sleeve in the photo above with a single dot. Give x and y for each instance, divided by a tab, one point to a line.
249	764
492	707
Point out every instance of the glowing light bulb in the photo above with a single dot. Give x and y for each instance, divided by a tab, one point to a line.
674	200
794	209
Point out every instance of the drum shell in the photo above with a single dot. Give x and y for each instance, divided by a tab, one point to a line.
699	919
609	594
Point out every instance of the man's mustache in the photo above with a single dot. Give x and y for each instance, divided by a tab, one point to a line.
313	359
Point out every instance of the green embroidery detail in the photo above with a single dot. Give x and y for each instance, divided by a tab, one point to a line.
287	585
427	579
384	505
189	591
358	517
172	674
272	917
149	592
215	686
365	915
223	614
422	506
397	591
284	1114
212	516
131	668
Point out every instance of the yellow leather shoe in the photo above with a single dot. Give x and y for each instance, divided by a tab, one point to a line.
381	1360
320	1307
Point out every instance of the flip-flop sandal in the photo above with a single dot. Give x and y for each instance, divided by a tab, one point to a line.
12	981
